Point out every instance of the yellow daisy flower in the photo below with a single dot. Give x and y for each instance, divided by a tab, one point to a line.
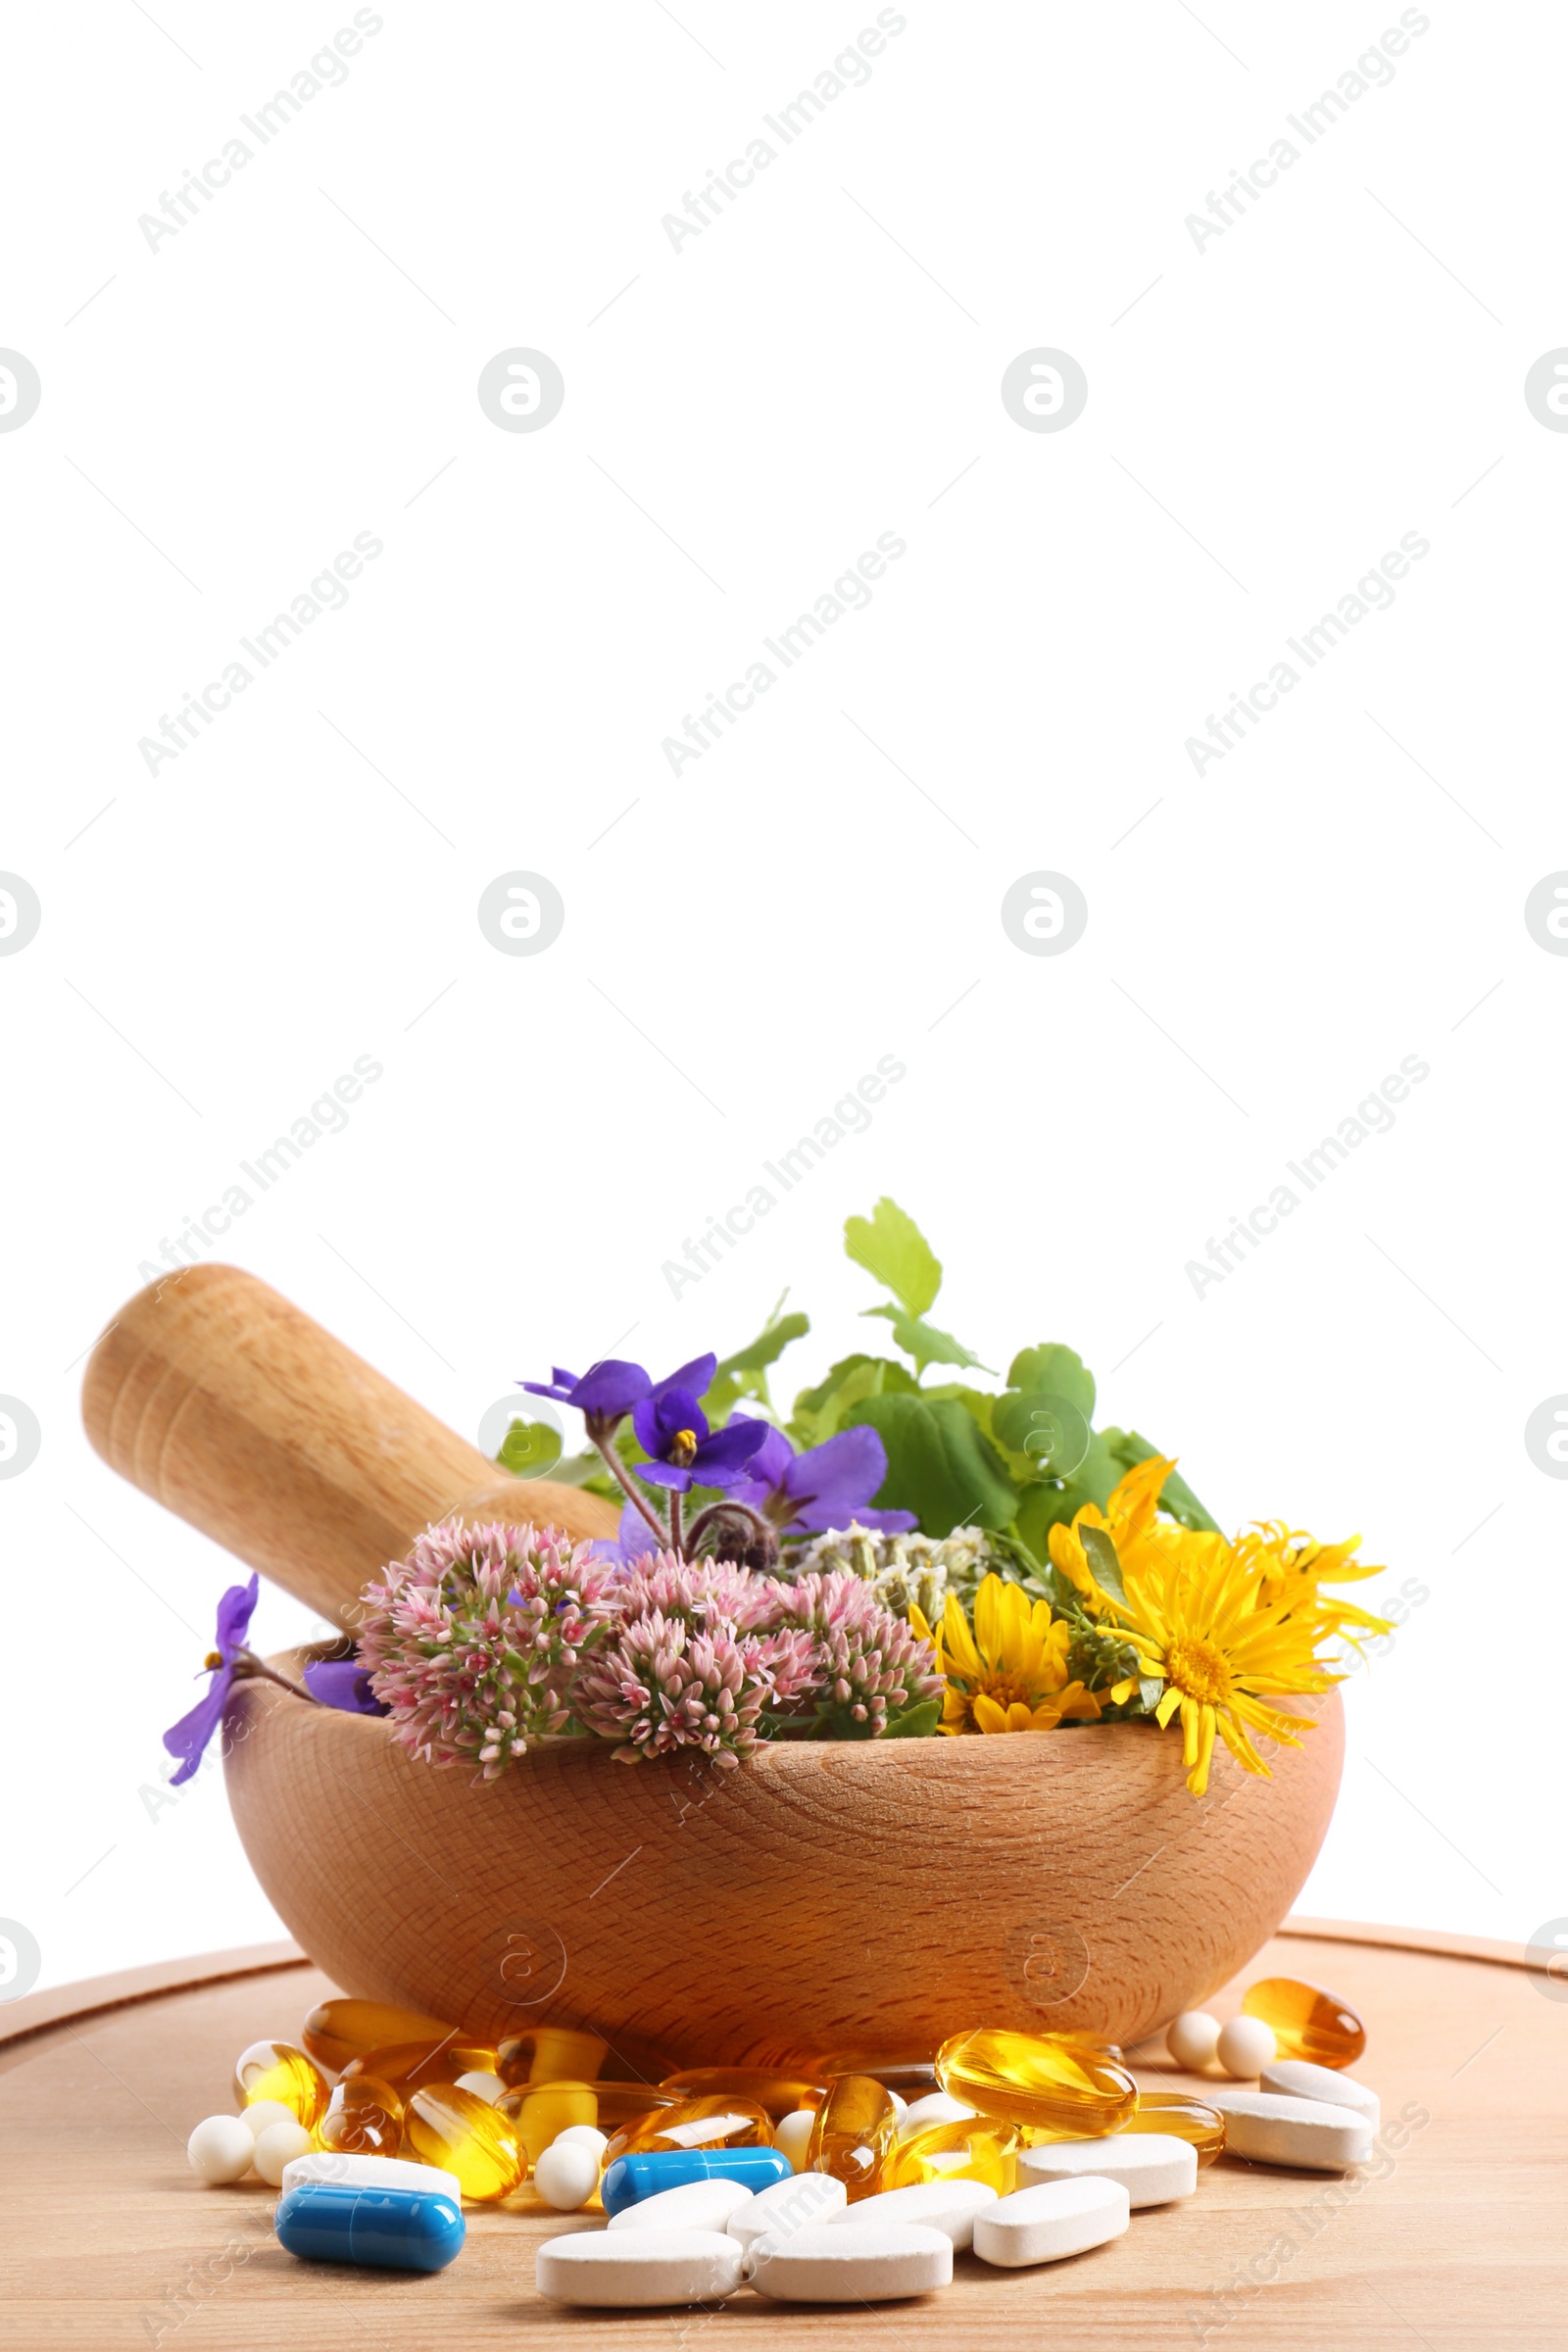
1128	1519
1198	1616
1010	1674
1294	1569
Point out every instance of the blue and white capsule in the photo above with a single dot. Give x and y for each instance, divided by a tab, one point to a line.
378	2229
631	2178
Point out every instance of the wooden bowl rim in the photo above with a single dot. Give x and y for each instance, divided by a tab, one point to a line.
809	1757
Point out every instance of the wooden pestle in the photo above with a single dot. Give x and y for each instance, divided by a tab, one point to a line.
221	1400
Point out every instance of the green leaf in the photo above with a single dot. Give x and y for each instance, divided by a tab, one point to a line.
1128	1449
981	1406
1042	1431
940	1465
914	1722
585	1470
819	1412
1055	1371
529	1448
924	1342
1044	1505
1150	1691
777	1334
976	1402
1104	1565
745	1374
892	1248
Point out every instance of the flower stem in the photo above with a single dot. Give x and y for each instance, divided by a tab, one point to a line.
675	1545
252	1664
618	1471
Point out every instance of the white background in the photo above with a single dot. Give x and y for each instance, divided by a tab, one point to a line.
1266	416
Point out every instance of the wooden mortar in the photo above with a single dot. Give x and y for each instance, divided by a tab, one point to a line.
852	1898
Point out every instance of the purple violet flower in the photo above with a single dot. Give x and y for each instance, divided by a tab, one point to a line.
682	1450
189	1738
343	1682
827	1488
633	1541
609	1391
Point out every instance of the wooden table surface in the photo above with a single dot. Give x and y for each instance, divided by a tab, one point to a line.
1458	2238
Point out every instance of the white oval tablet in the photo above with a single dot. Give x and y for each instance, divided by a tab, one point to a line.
946	2205
787	2205
1294	2078
694	2205
851	2262
370	2171
935	2108
582	2136
1306	2133
1050	2220
627	2270
1153	2167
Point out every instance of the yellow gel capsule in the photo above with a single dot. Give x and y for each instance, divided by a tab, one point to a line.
1060	2086
339	2030
779	2094
853	2136
549	2054
410	2066
538	2111
277	2070
1309	2022
365	2118
621	2108
913	2076
700	2123
466	2135
1183	2117
956	2151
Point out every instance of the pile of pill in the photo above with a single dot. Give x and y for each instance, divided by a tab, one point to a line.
842	2180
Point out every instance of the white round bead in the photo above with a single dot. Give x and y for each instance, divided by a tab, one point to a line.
278	2146
567	2176
791	2137
1245	2046
582	2136
1192	2039
220	2149
263	2114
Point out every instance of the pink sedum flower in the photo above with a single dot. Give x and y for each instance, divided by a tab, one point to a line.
487	1639
475	1640
866	1663
695	1663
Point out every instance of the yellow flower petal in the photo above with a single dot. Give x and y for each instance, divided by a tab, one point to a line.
1192	1715
959	1654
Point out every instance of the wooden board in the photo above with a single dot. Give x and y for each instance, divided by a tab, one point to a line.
1458	2240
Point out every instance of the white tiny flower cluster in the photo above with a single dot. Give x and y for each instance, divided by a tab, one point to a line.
904	1570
